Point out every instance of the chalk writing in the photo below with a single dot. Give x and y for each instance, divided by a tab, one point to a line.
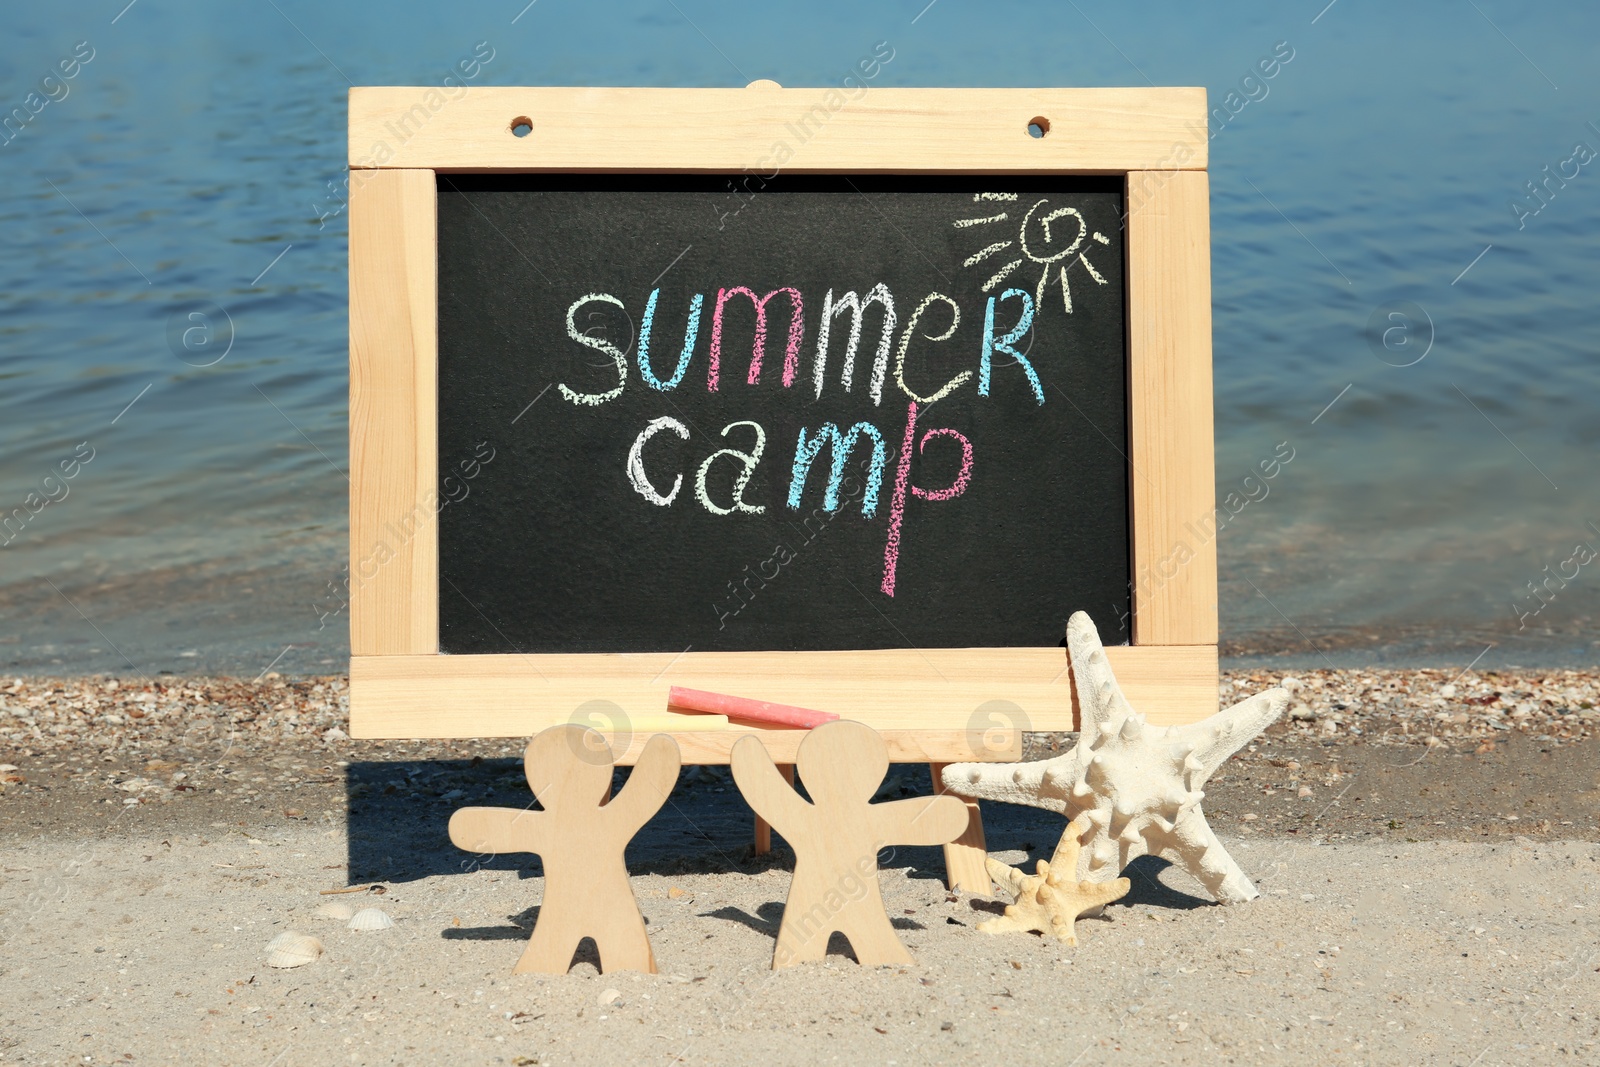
1042	239
761	373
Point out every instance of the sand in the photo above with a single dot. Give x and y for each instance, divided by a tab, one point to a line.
1425	903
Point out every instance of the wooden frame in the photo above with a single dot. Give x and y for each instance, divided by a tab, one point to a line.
933	705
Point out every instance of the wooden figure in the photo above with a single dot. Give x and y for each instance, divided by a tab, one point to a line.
580	836
836	837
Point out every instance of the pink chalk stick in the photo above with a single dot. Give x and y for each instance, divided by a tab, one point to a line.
745	708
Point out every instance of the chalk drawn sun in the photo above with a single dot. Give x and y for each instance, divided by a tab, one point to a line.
1048	238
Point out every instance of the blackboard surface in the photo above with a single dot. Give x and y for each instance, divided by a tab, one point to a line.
989	531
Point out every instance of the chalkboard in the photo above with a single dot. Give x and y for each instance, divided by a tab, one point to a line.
642	450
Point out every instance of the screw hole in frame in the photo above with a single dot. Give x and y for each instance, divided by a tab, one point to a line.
521	126
1038	126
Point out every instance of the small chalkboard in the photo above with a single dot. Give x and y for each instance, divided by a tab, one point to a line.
839	400
837	413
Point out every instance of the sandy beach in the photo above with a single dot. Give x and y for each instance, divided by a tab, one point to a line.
1426	856
851	356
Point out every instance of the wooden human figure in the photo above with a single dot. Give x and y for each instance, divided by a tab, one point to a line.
836	837
580	837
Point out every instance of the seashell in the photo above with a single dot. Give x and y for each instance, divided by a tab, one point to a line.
290	949
370	919
336	909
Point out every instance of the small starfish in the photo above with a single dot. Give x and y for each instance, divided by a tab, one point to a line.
1050	901
1140	785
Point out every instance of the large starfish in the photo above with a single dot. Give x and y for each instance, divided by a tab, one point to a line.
1139	785
1050	901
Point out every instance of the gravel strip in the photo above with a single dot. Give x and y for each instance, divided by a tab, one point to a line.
1406	755
1431	706
1415	706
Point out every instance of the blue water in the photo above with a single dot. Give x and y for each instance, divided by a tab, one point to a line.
187	166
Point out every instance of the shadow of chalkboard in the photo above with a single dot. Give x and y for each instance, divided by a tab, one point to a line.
606	485
399	815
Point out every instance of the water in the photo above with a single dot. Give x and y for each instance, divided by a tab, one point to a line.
189	165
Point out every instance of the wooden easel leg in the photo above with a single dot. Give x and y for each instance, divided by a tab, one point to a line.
763	831
964	857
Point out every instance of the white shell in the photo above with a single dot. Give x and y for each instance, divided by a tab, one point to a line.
290	949
336	909
370	919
